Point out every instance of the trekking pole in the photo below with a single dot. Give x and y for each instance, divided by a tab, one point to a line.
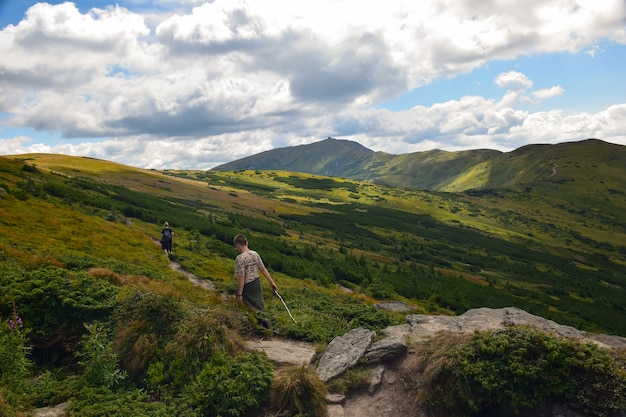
286	308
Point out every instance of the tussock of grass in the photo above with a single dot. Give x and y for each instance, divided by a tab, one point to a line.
299	391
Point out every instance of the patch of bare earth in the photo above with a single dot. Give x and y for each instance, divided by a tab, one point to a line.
394	397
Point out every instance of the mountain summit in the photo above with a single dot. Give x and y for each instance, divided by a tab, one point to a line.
331	157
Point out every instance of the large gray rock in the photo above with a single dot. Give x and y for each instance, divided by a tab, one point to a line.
58	410
285	352
343	352
387	349
421	326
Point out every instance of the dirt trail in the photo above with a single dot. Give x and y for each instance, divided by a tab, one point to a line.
554	166
194	279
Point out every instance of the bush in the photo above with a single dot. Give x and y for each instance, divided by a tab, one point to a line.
98	360
299	391
55	303
14	362
199	337
521	369
15	366
102	402
230	386
145	321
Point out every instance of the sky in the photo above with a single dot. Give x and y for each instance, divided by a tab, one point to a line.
190	84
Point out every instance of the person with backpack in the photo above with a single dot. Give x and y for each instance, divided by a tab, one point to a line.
166	238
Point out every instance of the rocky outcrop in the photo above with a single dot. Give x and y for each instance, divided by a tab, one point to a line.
358	346
420	326
384	395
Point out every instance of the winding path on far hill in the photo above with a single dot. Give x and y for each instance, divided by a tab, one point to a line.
554	166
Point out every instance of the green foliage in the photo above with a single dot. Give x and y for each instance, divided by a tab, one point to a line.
145	321
102	402
55	302
96	357
15	364
520	369
51	388
323	315
199	337
298	390
230	386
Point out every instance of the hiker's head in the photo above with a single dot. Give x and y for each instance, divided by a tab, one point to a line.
240	240
166	224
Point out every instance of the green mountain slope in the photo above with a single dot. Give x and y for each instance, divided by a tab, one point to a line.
441	170
551	241
330	157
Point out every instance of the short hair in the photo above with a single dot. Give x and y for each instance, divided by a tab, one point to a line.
240	240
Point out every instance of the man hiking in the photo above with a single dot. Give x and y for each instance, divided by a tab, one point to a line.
248	264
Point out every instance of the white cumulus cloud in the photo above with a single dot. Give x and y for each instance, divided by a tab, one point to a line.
214	81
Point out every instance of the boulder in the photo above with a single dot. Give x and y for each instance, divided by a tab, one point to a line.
343	352
395	306
422	326
285	352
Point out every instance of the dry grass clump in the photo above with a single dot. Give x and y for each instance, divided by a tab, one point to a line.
298	390
201	336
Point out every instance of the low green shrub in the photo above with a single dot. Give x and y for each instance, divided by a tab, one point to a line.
55	302
97	359
520	369
15	364
145	321
199	337
102	402
299	391
230	386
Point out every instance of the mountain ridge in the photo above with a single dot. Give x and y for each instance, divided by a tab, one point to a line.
433	170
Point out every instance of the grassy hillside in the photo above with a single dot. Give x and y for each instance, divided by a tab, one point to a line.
82	270
543	246
83	275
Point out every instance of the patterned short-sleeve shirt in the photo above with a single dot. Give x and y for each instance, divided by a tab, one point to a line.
248	264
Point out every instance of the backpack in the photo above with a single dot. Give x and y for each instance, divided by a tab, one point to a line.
167	235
